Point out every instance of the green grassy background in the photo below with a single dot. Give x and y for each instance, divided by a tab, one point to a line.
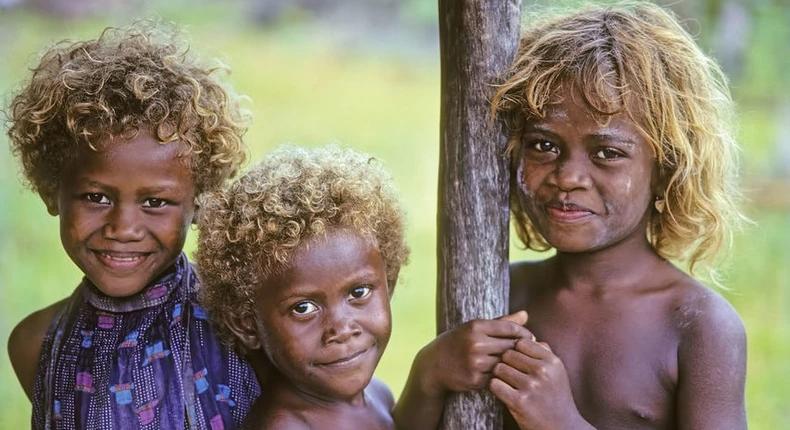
308	87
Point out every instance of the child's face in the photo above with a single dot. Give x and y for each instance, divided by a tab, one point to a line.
125	212
585	185
325	322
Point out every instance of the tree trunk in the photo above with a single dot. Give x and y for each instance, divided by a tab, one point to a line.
478	42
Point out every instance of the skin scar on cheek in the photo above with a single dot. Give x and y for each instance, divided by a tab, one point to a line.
524	192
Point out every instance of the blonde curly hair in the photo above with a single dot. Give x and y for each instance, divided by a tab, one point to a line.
83	94
252	229
635	58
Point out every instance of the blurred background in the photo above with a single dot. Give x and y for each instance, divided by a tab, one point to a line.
365	73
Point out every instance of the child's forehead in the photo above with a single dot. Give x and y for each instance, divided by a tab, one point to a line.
136	157
600	104
330	250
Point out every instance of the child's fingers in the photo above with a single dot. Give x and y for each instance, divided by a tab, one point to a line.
502	328
520	361
519	317
537	350
494	346
504	392
511	376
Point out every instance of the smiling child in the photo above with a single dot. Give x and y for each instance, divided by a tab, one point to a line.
622	161
119	136
299	259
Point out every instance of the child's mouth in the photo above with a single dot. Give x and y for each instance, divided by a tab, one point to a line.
345	361
567	212
120	260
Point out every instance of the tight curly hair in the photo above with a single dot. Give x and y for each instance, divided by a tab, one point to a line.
635	58
84	94
252	229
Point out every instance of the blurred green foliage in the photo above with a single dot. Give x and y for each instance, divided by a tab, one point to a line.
307	87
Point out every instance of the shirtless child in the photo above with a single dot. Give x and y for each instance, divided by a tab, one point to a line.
623	160
299	259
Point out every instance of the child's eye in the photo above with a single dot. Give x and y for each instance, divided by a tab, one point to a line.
544	146
153	202
608	154
360	292
304	308
97	198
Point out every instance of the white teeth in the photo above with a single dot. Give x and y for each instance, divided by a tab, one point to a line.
122	259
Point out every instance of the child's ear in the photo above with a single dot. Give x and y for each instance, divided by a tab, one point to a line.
658	182
51	202
196	213
243	327
392	282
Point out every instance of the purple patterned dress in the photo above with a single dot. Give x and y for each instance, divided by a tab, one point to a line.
150	361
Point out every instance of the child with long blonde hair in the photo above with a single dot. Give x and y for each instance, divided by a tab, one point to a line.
622	161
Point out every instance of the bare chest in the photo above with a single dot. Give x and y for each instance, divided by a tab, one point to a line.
622	365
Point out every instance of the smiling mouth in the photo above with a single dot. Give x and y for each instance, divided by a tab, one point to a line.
120	260
346	361
567	212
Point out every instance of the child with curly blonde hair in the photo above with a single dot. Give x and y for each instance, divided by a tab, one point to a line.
299	259
119	136
622	160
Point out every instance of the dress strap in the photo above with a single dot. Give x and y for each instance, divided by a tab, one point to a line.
61	325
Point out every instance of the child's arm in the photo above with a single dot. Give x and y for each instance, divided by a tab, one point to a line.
532	383
711	367
24	344
457	360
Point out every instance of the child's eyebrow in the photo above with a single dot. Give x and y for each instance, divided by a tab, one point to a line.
158	189
364	275
92	183
613	135
538	127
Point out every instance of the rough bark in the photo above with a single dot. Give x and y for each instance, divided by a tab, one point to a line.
478	41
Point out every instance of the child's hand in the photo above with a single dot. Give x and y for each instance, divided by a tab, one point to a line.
462	359
532	383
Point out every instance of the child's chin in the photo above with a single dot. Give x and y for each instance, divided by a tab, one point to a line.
118	289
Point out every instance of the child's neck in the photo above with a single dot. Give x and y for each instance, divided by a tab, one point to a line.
281	388
300	398
620	266
283	398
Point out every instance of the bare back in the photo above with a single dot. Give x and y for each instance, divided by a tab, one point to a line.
628	351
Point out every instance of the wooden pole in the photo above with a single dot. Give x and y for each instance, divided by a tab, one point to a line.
478	41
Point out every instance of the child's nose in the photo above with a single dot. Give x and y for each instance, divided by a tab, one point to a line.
339	327
123	225
573	173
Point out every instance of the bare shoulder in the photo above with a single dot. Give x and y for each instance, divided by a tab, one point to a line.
526	279
381	395
284	419
24	343
711	361
702	313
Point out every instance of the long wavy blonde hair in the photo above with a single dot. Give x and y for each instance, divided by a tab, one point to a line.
635	58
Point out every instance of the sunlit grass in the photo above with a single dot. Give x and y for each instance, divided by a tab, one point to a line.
307	92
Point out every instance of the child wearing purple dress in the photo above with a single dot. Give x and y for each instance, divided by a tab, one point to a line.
119	136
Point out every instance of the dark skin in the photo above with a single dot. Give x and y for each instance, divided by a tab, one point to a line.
622	339
124	214
318	331
461	359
